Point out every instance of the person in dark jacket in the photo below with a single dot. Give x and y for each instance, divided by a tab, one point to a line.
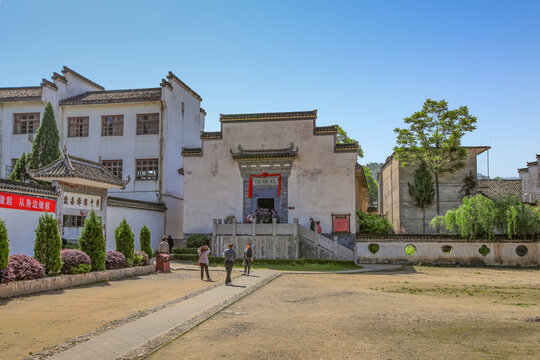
248	258
171	243
230	256
312	224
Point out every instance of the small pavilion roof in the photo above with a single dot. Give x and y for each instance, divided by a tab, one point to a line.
79	171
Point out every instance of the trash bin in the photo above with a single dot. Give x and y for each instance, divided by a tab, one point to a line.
163	263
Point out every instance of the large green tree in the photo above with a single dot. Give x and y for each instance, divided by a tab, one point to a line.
434	137
422	191
343	138
19	172
125	241
46	144
92	242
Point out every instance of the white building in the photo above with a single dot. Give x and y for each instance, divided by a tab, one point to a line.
530	181
136	133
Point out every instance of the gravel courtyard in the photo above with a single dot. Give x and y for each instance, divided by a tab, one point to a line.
423	313
30	323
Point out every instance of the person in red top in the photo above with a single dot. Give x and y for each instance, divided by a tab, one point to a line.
319	229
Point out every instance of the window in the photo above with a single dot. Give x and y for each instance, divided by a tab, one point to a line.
114	166
147	124
112	125
9	168
73	220
25	123
78	126
146	169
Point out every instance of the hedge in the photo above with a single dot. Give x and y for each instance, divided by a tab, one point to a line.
238	261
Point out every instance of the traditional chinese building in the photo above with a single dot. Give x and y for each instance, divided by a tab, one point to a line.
530	181
77	187
278	161
132	132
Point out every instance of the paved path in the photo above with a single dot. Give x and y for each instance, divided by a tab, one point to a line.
125	341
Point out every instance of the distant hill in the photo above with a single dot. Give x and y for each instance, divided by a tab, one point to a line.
375	168
484	177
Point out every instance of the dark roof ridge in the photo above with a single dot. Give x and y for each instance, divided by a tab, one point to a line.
290	115
47	83
66	69
183	84
57	76
20	87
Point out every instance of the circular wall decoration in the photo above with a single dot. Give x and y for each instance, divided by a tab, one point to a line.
410	249
522	250
446	249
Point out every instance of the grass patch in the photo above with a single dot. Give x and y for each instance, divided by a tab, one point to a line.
279	264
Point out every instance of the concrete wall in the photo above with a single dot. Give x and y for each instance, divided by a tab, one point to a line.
400	207
136	218
321	182
463	253
21	225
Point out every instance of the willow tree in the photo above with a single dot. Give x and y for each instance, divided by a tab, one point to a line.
434	137
422	191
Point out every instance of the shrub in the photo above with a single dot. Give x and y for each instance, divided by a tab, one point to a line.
115	260
73	259
145	239
4	246
92	241
7	275
142	258
475	218
125	241
48	244
196	240
185	251
517	219
373	223
25	267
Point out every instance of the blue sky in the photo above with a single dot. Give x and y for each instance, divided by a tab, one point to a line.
363	64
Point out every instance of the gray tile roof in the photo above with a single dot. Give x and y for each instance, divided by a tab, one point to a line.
498	189
211	135
19	186
326	130
351	147
114	96
71	167
191	151
135	204
31	93
278	116
284	153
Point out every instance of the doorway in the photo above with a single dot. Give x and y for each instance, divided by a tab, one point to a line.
265	203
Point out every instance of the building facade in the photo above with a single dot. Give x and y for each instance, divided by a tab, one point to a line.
530	181
399	207
135	133
277	161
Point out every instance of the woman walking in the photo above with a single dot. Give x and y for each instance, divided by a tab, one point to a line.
203	261
248	258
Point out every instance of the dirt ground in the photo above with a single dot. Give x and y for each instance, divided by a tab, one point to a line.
31	323
425	313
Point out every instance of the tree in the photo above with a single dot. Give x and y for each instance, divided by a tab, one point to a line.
92	242
343	138
19	172
422	191
48	244
125	241
145	239
4	246
434	137
46	149
373	188
375	169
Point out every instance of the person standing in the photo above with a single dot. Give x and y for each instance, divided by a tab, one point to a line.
319	229
312	224
204	251
170	242
248	258
230	256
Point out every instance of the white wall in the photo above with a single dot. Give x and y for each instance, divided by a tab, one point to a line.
21	225
321	182
136	218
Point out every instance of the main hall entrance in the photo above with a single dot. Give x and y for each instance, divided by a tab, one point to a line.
266	203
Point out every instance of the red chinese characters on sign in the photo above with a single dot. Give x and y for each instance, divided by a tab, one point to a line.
22	202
